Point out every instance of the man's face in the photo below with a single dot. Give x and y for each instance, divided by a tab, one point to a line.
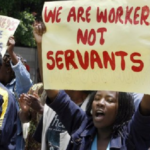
3	73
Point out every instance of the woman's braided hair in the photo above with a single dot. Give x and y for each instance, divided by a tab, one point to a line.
124	113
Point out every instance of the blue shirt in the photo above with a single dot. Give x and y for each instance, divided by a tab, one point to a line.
136	135
20	84
94	144
8	120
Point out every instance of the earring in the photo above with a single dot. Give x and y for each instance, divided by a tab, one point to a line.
91	112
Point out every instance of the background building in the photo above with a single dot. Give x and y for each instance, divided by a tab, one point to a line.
30	54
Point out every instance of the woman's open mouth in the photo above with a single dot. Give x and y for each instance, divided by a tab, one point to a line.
99	115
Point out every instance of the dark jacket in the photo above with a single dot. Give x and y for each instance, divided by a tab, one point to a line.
8	120
136	135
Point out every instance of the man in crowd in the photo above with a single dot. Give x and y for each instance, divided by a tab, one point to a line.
15	77
8	118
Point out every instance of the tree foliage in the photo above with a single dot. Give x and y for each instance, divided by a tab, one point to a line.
27	12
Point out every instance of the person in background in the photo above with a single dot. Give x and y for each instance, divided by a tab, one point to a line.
15	77
8	118
52	133
30	113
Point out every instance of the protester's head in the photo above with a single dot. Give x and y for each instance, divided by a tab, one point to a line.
111	110
6	72
77	96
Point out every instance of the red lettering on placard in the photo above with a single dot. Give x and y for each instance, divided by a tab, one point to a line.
69	59
82	36
112	15
95	58
88	14
92	37
144	15
52	15
8	24
72	14
3	23
49	57
111	60
13	26
138	61
128	15
122	55
89	37
101	15
57	15
83	63
119	15
59	63
101	31
80	14
136	15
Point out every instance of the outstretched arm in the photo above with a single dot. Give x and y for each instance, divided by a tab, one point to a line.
38	30
23	81
139	126
10	50
70	114
59	101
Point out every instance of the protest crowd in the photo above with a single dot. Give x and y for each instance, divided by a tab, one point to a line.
35	118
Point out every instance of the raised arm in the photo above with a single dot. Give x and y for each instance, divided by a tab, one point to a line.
11	44
38	30
69	113
23	81
139	126
145	105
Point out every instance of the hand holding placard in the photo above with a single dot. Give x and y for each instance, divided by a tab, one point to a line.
109	40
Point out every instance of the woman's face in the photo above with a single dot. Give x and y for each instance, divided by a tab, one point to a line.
104	109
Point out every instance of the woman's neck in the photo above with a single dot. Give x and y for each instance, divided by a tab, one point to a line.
104	133
103	138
